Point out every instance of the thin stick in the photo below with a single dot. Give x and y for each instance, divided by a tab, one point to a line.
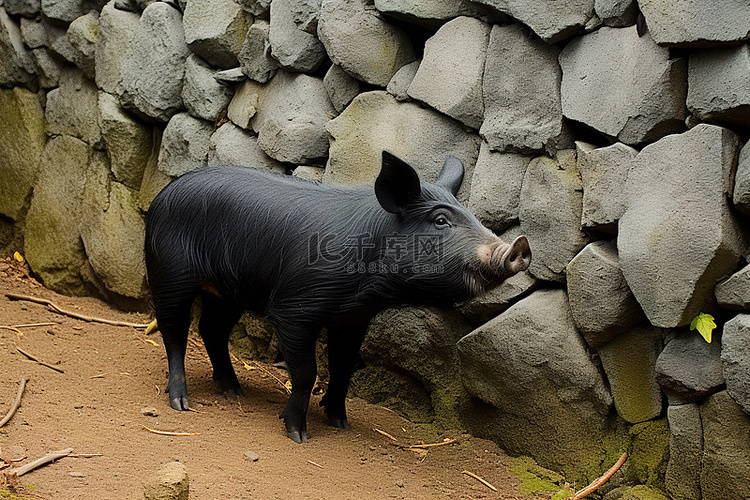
315	464
85	455
165	433
57	309
34	325
14	329
16	403
385	434
433	445
597	483
480	480
49	457
267	372
34	358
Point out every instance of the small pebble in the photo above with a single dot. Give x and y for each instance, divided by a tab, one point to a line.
77	474
250	455
150	412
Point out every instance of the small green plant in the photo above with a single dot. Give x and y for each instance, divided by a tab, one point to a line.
705	325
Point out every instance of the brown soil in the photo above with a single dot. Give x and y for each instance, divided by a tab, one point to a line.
112	373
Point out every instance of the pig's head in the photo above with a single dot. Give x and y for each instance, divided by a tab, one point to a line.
449	255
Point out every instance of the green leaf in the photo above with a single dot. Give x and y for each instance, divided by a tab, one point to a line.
705	325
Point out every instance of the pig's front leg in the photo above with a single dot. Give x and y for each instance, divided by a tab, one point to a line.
298	348
343	354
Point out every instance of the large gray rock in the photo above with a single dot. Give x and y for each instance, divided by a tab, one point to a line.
357	38
550	214
616	13
255	54
73	109
16	65
678	237
629	362
27	8
294	48
726	449
117	29
341	87
52	242
305	14
231	145
114	242
689	368
376	121
521	91
741	194
430	14
718	87
598	88
204	97
215	30
734	292
83	34
496	187
289	113
552	21
153	74
185	145
735	359
63	10
682	479
22	129
533	366
604	172
48	67
696	22
601	302
485	307
128	141
450	76
417	344
401	81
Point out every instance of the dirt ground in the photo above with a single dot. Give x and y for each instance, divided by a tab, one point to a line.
112	373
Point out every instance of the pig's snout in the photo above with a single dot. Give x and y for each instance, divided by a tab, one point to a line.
504	259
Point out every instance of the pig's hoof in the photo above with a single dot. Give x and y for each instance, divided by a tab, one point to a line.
233	392
339	423
179	404
298	437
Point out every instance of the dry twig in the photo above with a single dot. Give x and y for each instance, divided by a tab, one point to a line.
34	358
479	479
385	434
166	433
16	403
49	457
57	309
598	482
432	445
315	464
13	329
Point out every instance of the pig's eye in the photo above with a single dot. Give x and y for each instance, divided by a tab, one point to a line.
442	222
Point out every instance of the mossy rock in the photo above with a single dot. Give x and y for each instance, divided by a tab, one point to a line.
649	453
640	492
535	479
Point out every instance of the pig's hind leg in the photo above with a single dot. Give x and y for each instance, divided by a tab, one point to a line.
174	322
298	348
218	317
343	355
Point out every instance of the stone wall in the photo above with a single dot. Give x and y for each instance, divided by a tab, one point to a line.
610	133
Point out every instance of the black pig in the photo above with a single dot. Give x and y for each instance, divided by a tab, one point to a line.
309	256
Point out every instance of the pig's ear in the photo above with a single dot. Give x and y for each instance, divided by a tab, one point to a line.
451	175
397	185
